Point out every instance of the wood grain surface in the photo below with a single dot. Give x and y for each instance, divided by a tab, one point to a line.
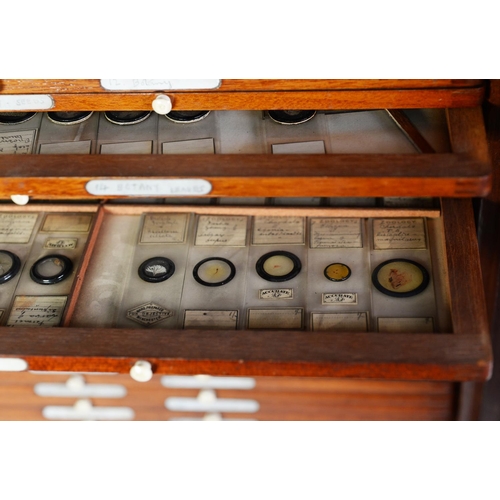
34	86
489	246
451	175
78	95
278	398
463	355
254	353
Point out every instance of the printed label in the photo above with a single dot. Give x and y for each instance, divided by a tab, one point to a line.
60	243
339	298
149	313
276	293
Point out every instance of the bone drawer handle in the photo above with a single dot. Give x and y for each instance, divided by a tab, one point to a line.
162	104
142	371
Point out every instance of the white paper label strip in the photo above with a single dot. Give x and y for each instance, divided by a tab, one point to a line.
339	298
149	187
340	322
29	102
207	382
60	148
311	147
159	84
276	293
189	147
86	391
95	413
223	405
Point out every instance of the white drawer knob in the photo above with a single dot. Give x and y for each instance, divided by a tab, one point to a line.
162	104
20	199
141	371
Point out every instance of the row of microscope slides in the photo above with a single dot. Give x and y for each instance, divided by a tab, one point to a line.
239	272
217	132
180	270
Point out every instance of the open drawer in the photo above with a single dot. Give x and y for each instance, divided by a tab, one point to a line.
322	321
101	95
447	341
341	152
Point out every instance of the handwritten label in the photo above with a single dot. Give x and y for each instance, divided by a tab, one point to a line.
335	233
269	230
340	322
16	228
17	143
222	320
128	148
405	325
60	243
276	319
339	298
67	223
399	234
28	102
221	230
276	293
58	148
164	228
31	311
149	187
159	84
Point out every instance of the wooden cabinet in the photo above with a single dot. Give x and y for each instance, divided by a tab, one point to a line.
460	352
50	396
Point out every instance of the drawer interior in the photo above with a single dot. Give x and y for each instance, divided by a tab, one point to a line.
227	132
115	295
189	328
247	154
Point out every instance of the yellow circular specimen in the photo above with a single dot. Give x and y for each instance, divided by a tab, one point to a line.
278	265
337	272
214	271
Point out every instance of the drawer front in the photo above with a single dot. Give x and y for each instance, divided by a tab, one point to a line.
28	396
